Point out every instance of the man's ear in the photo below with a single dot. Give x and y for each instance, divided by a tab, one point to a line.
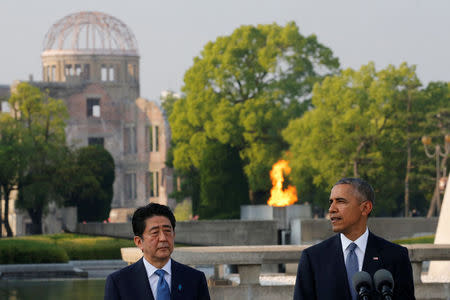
367	208
138	242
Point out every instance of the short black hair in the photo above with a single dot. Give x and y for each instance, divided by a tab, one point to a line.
364	189
153	209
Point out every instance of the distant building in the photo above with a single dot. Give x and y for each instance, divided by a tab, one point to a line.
91	61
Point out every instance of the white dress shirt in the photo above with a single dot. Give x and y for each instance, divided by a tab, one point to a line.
360	250
153	278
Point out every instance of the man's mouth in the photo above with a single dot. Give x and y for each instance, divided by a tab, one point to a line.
335	219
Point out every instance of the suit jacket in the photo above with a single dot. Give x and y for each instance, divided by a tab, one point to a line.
322	274
132	283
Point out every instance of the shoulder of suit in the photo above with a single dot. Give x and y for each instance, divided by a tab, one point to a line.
185	268
387	244
323	245
126	270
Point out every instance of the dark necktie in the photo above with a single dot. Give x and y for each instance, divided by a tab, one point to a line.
162	290
351	265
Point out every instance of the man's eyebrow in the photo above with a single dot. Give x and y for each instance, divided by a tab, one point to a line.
157	227
338	198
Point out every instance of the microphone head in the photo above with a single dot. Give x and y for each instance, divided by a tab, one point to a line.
383	277
361	279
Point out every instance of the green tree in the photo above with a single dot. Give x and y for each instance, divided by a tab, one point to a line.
357	128
401	85
42	137
241	91
436	124
12	161
223	185
86	181
96	206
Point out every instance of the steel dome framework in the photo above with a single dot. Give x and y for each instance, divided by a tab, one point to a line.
92	32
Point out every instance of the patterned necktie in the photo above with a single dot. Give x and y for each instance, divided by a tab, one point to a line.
351	265
162	290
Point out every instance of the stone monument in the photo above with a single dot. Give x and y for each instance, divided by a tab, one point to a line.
439	271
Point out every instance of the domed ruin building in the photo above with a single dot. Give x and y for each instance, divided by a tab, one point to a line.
91	61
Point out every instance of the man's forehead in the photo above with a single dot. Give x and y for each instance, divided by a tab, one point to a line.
341	190
158	221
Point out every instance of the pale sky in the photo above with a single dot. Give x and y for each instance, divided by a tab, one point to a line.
170	33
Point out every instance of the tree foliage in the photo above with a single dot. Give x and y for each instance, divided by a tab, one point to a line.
12	161
86	181
242	90
41	120
223	185
364	124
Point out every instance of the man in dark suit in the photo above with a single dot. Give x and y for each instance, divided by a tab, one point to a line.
325	270
156	275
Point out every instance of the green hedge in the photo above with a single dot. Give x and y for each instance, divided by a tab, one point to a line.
16	251
94	248
57	248
429	239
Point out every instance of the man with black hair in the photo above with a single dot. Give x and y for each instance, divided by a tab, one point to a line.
156	275
325	270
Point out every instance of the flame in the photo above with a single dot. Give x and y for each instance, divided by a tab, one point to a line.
278	196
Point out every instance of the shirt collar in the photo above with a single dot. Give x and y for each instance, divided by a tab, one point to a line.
361	242
151	268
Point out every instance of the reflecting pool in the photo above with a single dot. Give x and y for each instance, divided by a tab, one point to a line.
67	289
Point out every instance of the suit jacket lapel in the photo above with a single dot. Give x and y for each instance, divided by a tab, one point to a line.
142	281
372	258
176	285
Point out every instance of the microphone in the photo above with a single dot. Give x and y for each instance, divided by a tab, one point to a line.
384	283
362	282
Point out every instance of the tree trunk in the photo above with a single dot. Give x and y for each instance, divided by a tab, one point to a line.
408	152
408	170
6	212
36	220
355	169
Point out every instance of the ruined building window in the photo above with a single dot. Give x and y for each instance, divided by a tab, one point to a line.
130	186
86	72
96	141
148	138
5	107
156	183
93	107
104	73
77	70
111	73
107	73
129	140
152	138
132	73
53	74
68	71
149	190
156	138
152	184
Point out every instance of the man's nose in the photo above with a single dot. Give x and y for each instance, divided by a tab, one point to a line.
162	236
332	207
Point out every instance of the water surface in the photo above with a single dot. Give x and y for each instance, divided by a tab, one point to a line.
67	289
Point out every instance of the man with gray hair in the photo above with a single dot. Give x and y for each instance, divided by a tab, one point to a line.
325	270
